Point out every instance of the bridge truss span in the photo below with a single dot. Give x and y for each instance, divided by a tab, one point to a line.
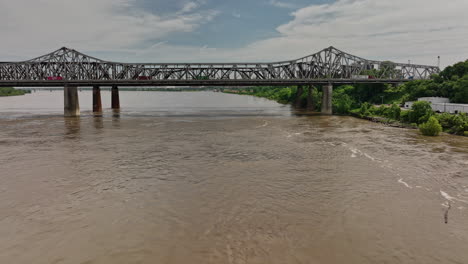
68	66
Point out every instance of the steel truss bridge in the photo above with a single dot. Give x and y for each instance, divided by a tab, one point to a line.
329	66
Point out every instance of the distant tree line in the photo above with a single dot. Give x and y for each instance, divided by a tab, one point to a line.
9	91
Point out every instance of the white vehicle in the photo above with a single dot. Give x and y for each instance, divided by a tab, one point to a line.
359	77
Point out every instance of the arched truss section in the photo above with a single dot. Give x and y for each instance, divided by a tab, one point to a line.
330	63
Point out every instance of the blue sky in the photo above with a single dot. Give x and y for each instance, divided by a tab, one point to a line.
238	23
242	30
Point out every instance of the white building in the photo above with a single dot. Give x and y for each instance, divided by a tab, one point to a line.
435	100
408	105
441	105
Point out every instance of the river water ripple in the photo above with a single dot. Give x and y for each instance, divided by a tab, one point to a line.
217	178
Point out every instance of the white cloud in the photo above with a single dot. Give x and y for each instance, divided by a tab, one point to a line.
398	30
40	26
236	14
281	4
190	6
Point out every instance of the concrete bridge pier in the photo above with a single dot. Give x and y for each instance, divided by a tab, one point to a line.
97	103
310	100
300	91
115	97
327	91
71	102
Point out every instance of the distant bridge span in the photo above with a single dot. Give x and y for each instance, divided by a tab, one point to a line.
70	68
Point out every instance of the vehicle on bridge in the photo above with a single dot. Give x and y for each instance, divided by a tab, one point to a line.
362	77
54	78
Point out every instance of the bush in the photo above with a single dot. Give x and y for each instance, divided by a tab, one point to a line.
374	110
445	120
380	111
404	116
364	110
420	112
459	124
431	127
394	112
456	124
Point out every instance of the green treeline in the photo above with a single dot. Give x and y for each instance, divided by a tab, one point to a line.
359	99
9	91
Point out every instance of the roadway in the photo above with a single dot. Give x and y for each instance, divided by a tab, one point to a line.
157	83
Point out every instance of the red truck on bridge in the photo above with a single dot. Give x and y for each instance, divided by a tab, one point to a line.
54	78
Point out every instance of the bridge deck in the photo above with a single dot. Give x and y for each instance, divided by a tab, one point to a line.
132	83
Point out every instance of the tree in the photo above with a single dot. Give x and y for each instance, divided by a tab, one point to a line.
460	91
460	69
342	100
421	88
342	103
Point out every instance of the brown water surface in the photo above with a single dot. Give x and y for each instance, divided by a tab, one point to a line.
217	178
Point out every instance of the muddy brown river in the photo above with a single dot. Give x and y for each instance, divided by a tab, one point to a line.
202	177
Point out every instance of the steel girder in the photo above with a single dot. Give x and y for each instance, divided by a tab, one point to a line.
330	63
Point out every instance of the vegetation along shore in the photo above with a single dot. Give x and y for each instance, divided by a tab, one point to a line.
9	91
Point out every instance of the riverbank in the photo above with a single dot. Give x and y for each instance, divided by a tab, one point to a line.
456	124
386	121
9	91
391	115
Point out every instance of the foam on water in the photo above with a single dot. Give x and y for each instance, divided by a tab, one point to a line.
404	183
356	151
264	124
451	198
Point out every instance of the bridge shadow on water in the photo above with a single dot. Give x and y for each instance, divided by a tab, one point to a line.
100	117
72	127
303	111
298	112
98	121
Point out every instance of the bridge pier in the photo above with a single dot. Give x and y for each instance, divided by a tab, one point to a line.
300	91
97	103
115	97
327	91
310	100
71	102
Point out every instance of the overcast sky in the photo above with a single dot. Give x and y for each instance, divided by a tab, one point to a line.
236	30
